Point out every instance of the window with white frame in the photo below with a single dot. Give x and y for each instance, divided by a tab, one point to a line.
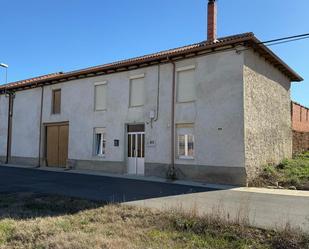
137	88
186	87
185	141
100	90
99	141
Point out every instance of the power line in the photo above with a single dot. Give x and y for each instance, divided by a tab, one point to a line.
287	38
281	41
292	40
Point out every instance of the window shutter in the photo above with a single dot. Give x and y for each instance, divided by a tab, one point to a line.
184	126
186	86
56	101
100	97
137	92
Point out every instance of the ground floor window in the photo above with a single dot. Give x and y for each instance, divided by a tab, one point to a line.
185	141
99	141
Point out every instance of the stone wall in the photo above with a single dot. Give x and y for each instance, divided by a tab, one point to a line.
268	133
300	142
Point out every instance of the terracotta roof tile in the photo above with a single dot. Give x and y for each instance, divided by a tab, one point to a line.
246	39
172	52
31	80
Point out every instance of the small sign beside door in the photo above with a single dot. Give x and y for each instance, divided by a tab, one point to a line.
116	143
151	143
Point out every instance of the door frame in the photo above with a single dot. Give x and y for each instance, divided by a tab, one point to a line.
45	125
127	143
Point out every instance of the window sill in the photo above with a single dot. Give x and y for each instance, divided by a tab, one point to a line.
186	158
103	110
186	102
99	157
136	106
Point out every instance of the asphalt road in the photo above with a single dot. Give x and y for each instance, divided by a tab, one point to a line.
258	207
100	188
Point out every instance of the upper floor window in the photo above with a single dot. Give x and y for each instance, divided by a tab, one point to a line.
186	89
56	101
100	96
137	88
185	141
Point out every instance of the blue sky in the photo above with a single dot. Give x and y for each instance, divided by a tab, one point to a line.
39	37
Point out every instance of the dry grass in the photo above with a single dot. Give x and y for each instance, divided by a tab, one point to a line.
38	221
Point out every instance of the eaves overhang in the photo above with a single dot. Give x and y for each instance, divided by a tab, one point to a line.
227	43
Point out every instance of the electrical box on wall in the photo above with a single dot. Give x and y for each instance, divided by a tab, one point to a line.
152	114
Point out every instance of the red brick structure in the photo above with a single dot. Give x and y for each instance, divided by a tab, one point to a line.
300	126
212	21
300	142
300	117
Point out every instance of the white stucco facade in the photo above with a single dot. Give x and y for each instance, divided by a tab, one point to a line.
3	124
217	115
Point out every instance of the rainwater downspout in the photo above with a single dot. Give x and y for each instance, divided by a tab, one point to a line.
9	130
40	131
158	94
172	171
156	117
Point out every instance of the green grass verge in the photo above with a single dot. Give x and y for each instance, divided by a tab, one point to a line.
291	172
33	221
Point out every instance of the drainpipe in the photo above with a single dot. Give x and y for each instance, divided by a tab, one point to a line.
11	96
156	117
158	94
40	129
172	171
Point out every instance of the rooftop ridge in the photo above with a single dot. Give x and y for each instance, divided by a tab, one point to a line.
246	39
172	50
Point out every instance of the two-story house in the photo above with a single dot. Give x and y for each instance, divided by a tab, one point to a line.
214	111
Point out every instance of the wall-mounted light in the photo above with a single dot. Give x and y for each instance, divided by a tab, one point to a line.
4	65
6	71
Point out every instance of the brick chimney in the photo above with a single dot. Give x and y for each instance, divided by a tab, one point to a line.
212	21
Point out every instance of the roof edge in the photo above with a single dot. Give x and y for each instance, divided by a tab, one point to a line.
201	48
294	77
296	103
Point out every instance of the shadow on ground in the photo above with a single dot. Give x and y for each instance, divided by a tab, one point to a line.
28	192
20	206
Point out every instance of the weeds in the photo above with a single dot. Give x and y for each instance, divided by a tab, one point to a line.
6	230
56	222
234	235
289	173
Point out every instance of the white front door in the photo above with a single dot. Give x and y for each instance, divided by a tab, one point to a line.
136	153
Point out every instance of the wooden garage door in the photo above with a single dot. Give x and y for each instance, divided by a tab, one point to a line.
57	145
